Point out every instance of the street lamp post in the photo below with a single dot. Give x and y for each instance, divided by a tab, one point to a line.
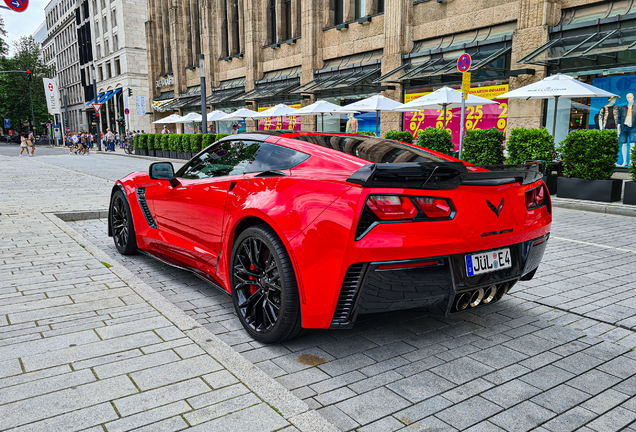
99	138
35	132
204	114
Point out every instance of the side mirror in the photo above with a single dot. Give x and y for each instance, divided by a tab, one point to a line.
163	171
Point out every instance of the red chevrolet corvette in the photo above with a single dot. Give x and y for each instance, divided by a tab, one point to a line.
308	230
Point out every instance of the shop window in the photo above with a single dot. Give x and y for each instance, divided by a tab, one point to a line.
288	20
338	12
272	22
361	8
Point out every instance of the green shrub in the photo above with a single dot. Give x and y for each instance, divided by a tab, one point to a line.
180	139
530	144
484	147
369	133
219	136
165	142
142	141
195	143
172	142
136	141
157	142
590	154
185	142
207	140
150	141
436	139
632	164
405	136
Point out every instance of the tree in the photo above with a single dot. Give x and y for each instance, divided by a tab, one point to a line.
3	34
15	103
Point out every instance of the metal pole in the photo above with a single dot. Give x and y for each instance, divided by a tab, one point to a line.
66	110
377	124
445	105
461	128
204	113
99	139
35	134
554	119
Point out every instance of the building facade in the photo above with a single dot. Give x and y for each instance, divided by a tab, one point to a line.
60	49
113	52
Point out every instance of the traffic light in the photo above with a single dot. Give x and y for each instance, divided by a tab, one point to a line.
29	75
66	122
129	92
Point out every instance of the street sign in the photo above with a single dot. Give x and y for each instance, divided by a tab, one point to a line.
68	129
126	111
96	107
463	62
466	84
7	123
17	5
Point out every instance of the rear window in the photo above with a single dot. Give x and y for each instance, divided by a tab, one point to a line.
375	150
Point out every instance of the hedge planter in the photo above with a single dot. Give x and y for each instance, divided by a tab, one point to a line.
551	182
182	155
629	196
592	190
173	154
144	152
138	152
151	153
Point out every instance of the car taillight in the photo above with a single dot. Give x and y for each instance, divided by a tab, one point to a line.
392	207
536	197
434	207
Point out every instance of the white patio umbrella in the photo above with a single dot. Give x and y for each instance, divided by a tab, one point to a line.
556	86
216	115
375	104
322	107
240	114
444	98
189	118
172	118
280	110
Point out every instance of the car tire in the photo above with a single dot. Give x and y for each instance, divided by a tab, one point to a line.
121	223
268	308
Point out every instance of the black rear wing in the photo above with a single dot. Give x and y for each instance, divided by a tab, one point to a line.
442	175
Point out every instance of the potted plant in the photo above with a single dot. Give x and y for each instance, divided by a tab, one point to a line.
206	140
219	136
185	147
589	160
439	140
533	144
484	147
405	136
629	196
165	145
195	144
150	142
143	145
157	144
136	144
172	140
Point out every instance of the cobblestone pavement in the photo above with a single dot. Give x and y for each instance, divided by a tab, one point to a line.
83	347
555	355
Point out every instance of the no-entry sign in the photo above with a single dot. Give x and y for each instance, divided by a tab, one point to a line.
463	62
17	5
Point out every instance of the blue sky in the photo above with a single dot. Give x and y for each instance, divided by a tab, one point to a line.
25	23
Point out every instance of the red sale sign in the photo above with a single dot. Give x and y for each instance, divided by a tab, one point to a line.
292	123
477	117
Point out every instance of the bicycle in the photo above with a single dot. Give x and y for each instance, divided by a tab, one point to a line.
130	148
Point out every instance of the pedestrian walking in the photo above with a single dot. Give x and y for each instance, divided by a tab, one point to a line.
165	130
31	143
110	140
234	129
23	145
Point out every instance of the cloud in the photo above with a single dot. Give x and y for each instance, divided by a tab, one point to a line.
25	23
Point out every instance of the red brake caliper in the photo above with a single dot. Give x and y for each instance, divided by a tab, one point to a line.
253	288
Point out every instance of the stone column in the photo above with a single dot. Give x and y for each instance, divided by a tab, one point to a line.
535	18
185	34
167	36
255	34
195	32
231	17
315	14
397	26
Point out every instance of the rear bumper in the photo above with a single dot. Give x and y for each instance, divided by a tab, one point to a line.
432	285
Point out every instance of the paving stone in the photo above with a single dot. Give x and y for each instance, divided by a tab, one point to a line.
594	381
375	382
45	385
479	408
220	379
174	372
302	378
561	398
422	409
462	370
430	424
217	396
148	417
467	390
372	406
259	418
613	420
338	418
44	345
421	386
162	396
335	396
498	357
387	424
511	393
135	364
10	367
74	420
621	367
546	377
221	408
605	401
522	417
570	420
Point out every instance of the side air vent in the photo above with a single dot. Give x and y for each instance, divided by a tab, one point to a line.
141	197
348	294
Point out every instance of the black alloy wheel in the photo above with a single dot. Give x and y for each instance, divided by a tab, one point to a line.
121	224
264	286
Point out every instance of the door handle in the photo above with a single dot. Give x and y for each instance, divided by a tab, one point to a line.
232	184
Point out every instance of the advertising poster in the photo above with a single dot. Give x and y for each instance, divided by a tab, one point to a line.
52	96
625	87
477	117
279	123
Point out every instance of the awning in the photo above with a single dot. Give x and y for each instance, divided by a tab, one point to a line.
274	83
109	95
93	101
180	102
438	56
165	96
226	90
343	72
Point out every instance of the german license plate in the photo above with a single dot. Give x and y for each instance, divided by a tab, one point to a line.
487	262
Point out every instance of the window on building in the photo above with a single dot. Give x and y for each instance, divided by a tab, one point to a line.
338	12
98	51
106	50
117	67
115	43
226	30
104	24
96	28
113	19
108	70
103	4
288	20
380	6
272	22
361	8
235	28
100	73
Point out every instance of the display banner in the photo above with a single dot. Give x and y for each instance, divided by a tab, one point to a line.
477	117
292	123
52	96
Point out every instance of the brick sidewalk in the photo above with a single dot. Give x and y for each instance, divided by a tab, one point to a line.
84	348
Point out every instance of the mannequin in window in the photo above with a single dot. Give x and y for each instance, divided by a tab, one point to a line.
608	115
352	124
627	127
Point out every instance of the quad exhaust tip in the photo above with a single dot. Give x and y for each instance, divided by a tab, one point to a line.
462	301
476	297
489	294
471	299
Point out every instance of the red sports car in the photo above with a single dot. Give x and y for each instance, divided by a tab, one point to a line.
308	230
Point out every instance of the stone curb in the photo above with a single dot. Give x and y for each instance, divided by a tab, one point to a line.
150	158
269	390
79	216
615	209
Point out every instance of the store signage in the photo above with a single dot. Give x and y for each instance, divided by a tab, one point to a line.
477	117
292	123
463	63
52	96
7	123
17	5
164	82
